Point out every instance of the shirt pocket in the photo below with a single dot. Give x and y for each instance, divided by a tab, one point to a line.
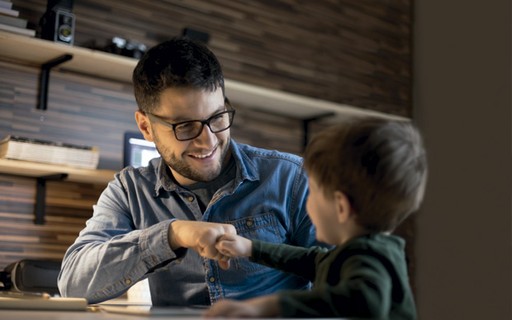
264	227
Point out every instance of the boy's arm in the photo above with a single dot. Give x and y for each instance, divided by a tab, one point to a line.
298	260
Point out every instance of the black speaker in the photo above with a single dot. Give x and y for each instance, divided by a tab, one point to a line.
58	22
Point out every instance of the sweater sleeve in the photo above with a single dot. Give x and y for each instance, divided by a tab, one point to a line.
298	260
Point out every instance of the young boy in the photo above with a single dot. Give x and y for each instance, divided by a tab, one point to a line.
365	178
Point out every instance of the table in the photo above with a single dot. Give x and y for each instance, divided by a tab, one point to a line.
94	313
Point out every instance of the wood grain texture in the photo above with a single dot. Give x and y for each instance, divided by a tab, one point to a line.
352	52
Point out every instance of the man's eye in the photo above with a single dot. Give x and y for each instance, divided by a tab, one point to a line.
185	126
218	118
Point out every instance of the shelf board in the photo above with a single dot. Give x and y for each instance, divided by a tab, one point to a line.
35	51
35	170
294	105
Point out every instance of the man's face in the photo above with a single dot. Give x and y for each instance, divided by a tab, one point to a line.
198	159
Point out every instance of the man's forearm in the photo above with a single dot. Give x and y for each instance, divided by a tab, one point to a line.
101	269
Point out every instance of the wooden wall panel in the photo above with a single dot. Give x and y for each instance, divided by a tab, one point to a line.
69	204
353	52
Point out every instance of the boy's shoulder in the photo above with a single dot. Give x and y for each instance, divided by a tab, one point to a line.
379	245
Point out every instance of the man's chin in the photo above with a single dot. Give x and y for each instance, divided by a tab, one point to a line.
207	177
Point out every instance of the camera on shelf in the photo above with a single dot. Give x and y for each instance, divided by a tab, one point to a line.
126	48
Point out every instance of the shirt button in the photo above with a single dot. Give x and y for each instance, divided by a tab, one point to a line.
249	223
127	281
212	279
190	199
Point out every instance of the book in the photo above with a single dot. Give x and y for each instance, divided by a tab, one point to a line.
5	4
59	153
9	12
21	31
13	21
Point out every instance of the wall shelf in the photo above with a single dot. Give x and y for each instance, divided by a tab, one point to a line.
42	173
36	170
36	52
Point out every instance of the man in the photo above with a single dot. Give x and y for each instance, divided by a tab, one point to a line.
204	185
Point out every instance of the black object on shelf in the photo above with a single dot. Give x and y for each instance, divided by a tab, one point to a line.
197	35
127	48
58	22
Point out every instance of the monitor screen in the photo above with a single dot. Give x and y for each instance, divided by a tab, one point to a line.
138	151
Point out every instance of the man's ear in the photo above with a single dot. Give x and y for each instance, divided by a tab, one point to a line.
343	207
144	125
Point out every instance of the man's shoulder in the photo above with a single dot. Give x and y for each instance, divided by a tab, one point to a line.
262	154
137	175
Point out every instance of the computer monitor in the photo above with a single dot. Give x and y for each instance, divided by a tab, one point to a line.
137	150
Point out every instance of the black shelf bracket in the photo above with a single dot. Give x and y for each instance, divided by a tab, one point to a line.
40	206
44	79
305	127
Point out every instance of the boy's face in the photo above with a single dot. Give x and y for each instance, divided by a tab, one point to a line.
198	159
323	213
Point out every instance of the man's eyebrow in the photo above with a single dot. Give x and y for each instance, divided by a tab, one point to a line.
183	119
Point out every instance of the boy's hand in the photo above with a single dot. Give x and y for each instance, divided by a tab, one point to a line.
232	245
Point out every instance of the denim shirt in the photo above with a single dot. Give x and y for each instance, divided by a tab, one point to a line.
126	239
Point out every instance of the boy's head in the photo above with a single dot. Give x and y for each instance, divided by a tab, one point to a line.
379	165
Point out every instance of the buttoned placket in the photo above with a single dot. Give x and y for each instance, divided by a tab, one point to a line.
214	286
211	267
190	201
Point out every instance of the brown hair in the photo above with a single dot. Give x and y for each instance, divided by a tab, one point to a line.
176	63
379	164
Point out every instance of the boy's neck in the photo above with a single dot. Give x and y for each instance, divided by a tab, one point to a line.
353	230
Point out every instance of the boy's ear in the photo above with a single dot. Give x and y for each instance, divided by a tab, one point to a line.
144	125
343	207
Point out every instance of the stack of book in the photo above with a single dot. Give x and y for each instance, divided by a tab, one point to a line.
20	148
10	21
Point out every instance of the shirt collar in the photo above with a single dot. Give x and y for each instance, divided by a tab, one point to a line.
245	170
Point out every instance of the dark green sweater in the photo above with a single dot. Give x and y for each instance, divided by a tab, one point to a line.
364	278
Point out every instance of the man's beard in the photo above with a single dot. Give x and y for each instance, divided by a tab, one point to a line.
181	167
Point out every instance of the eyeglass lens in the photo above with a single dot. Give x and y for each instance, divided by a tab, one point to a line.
191	129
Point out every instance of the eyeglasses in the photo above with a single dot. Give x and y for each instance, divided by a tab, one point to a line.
188	130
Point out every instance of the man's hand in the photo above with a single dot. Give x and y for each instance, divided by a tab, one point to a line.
201	237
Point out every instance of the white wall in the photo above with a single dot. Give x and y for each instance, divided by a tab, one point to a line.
462	100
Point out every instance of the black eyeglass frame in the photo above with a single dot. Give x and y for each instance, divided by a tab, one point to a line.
173	126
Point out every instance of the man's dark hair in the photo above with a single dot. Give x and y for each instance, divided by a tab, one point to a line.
379	164
176	63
